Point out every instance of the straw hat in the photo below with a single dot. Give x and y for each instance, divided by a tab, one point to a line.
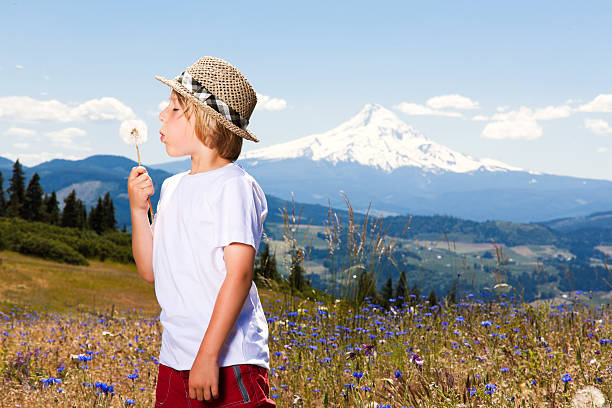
221	89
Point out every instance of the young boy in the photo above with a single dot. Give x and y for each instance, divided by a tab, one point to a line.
200	249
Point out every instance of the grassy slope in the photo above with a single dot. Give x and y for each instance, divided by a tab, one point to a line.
35	284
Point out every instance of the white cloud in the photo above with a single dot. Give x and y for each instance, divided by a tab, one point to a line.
552	112
162	105
268	103
46	77
64	138
480	118
601	103
32	159
451	101
602	149
21	132
502	108
572	100
26	109
416	109
598	126
513	125
19	66
21	146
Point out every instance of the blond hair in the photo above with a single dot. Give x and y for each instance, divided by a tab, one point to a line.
212	134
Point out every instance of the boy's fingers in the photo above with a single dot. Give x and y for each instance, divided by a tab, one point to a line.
207	393
215	391
137	171
192	392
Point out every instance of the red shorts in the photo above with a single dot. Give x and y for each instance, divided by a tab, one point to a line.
244	385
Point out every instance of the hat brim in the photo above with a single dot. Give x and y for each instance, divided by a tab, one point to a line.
244	133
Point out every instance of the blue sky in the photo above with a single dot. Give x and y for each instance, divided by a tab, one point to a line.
527	84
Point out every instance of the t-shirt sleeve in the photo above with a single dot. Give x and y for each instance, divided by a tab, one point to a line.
240	211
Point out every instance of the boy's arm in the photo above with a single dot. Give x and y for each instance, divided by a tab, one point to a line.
239	261
140	187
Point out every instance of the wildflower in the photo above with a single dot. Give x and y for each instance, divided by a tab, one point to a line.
129	401
357	375
398	374
566	378
486	323
132	376
416	360
489	388
504	369
460	318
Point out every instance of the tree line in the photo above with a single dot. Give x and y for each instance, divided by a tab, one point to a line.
33	204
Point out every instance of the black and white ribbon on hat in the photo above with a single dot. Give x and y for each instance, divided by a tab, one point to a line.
199	91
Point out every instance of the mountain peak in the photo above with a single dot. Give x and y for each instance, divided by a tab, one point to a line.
376	137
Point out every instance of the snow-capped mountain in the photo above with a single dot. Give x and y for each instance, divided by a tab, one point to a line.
376	137
376	158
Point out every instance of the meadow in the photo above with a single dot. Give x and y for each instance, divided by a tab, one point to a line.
478	353
89	336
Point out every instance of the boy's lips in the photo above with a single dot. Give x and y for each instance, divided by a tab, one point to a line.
162	137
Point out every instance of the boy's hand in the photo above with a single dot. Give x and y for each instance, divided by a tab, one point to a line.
204	378
140	187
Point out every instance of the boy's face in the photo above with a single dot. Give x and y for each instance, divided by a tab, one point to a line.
177	133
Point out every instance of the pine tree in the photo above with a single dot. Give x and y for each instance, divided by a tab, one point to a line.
2	197
95	220
401	290
296	276
451	297
82	215
71	211
51	209
417	295
265	266
108	213
16	192
387	292
432	298
366	288
32	205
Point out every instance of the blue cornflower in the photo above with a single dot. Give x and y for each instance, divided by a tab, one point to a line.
398	374
486	323
130	401
490	388
566	378
357	375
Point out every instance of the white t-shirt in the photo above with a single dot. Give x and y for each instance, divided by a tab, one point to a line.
197	215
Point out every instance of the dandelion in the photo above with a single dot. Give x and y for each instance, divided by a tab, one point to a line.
589	396
134	132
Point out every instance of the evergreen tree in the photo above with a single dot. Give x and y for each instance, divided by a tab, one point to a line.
417	295
95	220
82	213
432	298
451	297
33	203
16	192
401	290
266	265
51	209
387	292
366	287
71	212
296	275
2	197
124	229
108	213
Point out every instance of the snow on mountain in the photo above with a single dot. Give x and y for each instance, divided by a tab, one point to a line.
376	137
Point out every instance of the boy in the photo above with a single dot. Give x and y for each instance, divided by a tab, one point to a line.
200	249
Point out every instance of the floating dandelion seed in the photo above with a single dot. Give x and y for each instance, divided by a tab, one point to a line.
134	132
